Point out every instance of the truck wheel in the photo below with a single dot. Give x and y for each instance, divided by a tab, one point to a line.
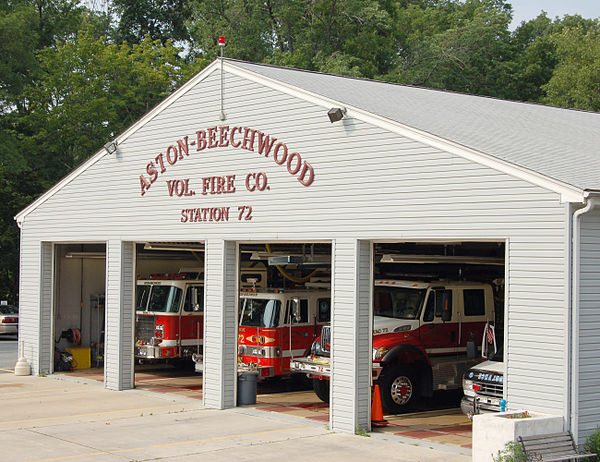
398	389
321	388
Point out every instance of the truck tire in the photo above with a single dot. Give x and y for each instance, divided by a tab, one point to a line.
398	389
321	388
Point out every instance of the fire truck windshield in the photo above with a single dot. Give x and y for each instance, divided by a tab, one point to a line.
159	299
255	312
141	302
398	302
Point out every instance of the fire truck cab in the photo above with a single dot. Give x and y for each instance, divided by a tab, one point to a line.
424	339
169	317
276	325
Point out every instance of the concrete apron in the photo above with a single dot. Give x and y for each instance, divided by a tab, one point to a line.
446	429
67	418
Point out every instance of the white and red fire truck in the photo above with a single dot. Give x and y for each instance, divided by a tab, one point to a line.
278	324
424	339
169	317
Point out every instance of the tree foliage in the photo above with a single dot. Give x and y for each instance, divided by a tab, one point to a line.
72	78
575	81
89	91
163	20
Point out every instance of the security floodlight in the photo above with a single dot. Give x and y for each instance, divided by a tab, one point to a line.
336	113
111	147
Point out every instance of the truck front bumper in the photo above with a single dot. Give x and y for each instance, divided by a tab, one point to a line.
154	352
262	371
479	405
147	352
313	365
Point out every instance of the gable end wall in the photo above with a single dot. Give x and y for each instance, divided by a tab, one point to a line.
369	184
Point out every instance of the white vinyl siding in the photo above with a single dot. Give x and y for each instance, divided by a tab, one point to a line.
351	336
120	316
370	184
220	325
29	299
46	342
589	327
364	328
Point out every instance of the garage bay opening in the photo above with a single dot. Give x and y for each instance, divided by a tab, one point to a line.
79	309
283	307
437	313
435	308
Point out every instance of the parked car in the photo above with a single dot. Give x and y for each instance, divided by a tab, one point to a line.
9	320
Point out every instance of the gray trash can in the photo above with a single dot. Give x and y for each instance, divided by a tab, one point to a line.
246	390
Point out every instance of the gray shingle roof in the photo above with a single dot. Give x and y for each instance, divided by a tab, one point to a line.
559	143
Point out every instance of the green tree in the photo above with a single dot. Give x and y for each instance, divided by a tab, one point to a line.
453	45
88	92
163	20
343	36
575	81
536	55
18	41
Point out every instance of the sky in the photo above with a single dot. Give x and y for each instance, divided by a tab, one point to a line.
523	10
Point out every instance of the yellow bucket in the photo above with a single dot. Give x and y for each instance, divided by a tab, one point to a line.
81	357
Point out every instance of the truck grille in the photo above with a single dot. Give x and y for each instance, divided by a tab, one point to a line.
144	328
490	389
326	338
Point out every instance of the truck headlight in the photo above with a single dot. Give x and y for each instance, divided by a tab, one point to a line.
468	387
159	331
315	348
379	352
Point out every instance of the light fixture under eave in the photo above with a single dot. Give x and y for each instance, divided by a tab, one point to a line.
111	147
336	113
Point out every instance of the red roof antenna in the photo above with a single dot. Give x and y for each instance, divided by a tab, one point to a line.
221	44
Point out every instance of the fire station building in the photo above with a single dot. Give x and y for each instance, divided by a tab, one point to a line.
246	153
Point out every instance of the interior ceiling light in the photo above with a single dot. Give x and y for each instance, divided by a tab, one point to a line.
187	246
94	255
392	258
336	113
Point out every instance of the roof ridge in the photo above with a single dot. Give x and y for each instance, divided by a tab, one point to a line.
415	87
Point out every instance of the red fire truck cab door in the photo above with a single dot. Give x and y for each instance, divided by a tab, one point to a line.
439	328
192	316
299	324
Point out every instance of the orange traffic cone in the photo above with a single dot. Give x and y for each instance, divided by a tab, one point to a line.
377	419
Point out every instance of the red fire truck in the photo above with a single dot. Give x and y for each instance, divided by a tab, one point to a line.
276	325
424	339
169	316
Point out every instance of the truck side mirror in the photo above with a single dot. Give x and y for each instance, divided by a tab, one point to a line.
296	309
443	305
446	315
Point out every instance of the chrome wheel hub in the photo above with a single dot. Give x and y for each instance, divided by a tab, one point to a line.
401	390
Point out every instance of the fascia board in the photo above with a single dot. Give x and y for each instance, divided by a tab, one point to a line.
568	193
119	139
